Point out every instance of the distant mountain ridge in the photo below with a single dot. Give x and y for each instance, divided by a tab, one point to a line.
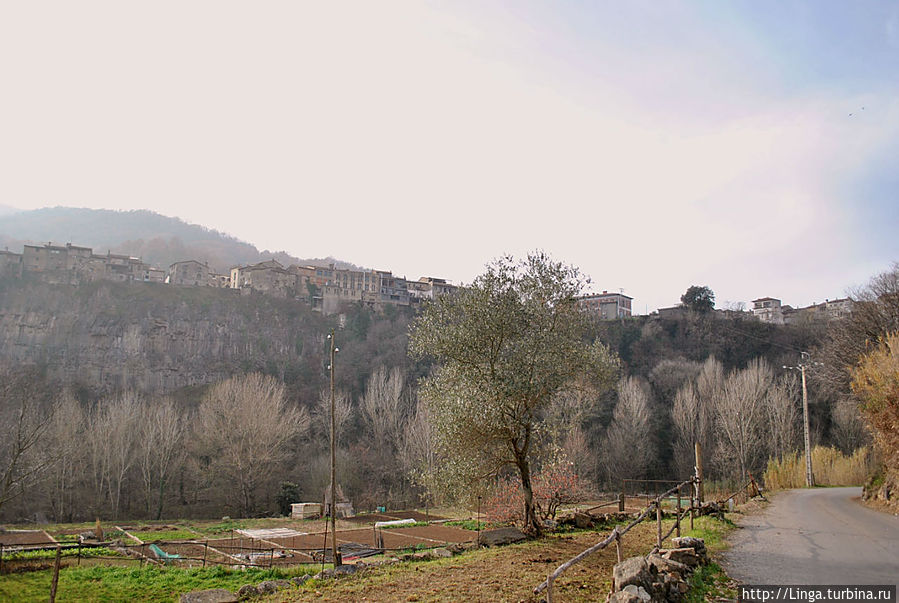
157	239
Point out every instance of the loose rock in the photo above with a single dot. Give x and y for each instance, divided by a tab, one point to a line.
501	536
685	555
623	596
214	595
270	586
246	591
638	591
633	570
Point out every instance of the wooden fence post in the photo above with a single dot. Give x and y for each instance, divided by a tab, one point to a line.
677	517
621	502
55	581
692	507
205	552
79	551
618	546
1	558
549	589
659	522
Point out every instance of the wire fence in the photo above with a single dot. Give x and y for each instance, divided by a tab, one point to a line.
229	551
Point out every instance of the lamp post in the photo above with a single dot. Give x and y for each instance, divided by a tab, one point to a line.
804	357
333	510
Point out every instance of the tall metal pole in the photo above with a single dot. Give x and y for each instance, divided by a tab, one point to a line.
333	510
809	478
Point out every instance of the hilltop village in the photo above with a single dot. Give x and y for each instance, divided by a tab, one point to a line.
326	288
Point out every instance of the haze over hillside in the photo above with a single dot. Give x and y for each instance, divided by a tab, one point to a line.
157	239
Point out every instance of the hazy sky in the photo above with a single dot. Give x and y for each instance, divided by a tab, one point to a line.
749	146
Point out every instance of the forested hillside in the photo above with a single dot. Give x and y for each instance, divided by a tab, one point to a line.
130	356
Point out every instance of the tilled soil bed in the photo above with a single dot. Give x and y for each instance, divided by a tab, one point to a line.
500	574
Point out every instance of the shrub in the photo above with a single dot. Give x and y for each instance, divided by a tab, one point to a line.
554	485
288	494
830	467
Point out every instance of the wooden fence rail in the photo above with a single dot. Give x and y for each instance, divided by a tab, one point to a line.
615	536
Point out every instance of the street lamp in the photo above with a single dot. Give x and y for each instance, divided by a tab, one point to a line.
334	552
804	357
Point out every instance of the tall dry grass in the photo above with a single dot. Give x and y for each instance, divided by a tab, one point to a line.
830	467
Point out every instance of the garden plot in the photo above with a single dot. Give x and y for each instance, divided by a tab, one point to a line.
268	552
416	515
156	533
269	533
439	533
392	516
25	538
192	554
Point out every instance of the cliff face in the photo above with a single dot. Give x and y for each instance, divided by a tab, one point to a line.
157	338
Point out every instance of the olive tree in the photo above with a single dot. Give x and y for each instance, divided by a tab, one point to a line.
505	346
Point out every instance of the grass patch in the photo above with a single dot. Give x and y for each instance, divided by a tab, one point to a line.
151	584
712	530
467	524
710	583
86	553
222	527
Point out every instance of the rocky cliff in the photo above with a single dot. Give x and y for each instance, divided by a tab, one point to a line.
155	337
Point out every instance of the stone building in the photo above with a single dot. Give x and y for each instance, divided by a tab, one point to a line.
268	277
768	309
10	263
607	306
188	273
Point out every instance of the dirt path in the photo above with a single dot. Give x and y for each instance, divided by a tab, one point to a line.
816	536
502	574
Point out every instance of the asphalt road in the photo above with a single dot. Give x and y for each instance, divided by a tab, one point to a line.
816	536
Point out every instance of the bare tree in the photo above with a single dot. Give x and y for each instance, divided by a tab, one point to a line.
710	382
63	441
161	432
385	406
782	411
343	412
564	422
686	422
669	375
244	426
692	414
113	445
875	313
740	418
26	411
417	449
848	429
629	445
